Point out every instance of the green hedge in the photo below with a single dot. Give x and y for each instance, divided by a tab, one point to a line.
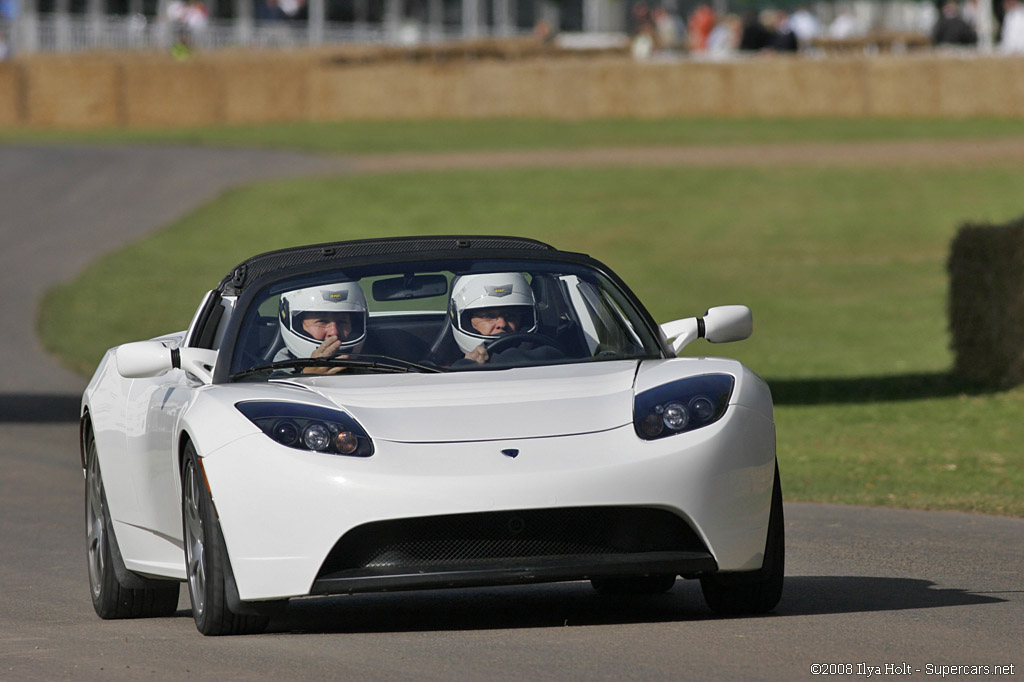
986	303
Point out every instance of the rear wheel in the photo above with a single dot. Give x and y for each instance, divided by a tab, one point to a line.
757	591
206	559
112	598
647	584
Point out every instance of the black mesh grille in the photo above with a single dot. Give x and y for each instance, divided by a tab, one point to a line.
447	542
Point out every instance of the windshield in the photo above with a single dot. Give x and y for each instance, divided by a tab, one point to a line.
428	317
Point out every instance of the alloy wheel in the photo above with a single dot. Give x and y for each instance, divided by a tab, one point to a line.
194	545
94	526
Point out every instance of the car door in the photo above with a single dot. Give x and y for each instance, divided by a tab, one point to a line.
153	411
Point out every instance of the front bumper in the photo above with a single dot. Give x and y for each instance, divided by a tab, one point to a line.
539	570
284	512
509	547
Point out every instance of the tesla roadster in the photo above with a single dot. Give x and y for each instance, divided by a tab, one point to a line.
416	413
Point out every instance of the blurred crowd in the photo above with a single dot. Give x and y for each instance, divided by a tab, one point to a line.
8	13
706	29
958	25
658	28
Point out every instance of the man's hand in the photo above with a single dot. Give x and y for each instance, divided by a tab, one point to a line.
326	349
478	355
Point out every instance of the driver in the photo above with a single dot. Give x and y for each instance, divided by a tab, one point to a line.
321	322
484	306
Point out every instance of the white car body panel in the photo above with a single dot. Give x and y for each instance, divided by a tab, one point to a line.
406	480
544	437
531	402
706	476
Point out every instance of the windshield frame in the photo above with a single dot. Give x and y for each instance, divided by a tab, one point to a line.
551	262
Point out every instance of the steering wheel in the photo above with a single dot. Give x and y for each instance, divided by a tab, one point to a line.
513	339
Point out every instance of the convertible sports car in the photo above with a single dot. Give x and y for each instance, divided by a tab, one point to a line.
409	413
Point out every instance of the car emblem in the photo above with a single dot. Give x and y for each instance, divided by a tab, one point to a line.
511	452
502	290
335	296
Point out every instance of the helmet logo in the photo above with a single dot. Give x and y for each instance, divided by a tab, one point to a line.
503	290
335	296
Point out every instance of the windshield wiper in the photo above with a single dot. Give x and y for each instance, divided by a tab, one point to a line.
381	363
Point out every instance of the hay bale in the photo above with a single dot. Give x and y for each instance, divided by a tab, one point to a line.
11	95
986	303
71	91
159	91
982	86
264	90
902	87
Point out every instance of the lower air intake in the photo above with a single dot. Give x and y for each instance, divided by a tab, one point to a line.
451	542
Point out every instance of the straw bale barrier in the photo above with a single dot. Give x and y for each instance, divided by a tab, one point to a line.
489	79
10	89
986	303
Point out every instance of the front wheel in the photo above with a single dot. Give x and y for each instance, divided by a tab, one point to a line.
757	591
112	597
206	559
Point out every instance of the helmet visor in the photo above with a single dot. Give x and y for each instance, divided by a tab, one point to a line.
494	320
317	326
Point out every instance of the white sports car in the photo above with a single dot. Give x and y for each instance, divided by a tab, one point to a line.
410	413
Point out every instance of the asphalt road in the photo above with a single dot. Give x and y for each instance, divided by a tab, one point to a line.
865	587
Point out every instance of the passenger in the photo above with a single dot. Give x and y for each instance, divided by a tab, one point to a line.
485	306
322	322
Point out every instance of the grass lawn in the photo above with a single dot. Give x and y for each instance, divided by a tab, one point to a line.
843	268
372	137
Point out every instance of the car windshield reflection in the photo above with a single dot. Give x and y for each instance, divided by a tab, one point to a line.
460	316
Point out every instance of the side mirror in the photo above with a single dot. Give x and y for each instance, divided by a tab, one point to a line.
145	359
728	323
722	324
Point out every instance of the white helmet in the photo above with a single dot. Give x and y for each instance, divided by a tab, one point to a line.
495	290
331	298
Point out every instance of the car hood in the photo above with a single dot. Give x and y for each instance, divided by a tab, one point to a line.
530	402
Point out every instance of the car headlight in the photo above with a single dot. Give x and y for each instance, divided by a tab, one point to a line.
682	405
308	427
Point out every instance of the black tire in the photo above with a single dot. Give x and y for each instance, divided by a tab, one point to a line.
757	591
206	559
646	584
112	598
